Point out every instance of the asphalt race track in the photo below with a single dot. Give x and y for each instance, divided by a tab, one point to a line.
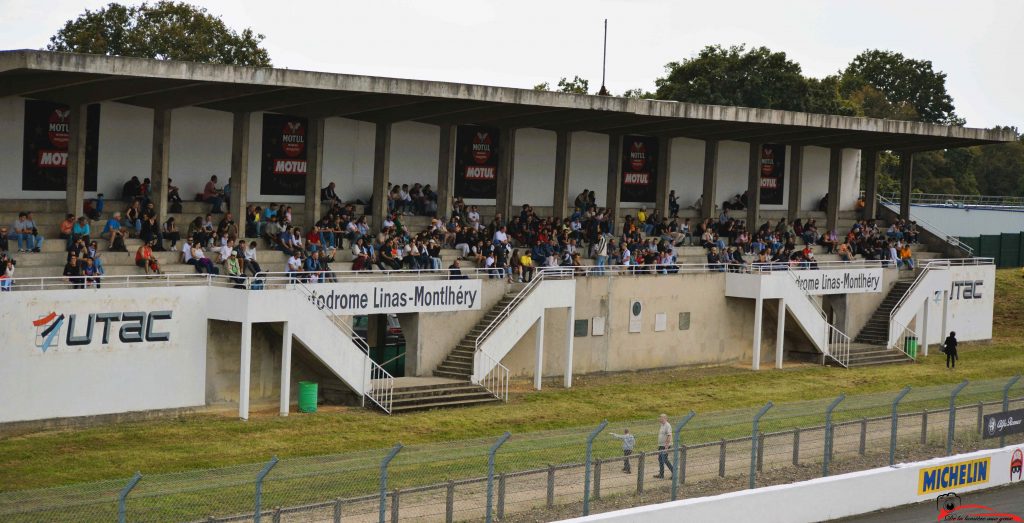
1003	499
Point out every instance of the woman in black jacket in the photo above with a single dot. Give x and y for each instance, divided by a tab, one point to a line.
949	347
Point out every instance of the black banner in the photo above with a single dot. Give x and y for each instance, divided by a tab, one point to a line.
476	162
283	170
773	173
1003	424
639	169
45	153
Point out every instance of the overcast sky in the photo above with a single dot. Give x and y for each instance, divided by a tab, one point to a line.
521	43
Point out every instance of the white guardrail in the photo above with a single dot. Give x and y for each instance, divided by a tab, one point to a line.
948	238
960	200
284	279
837	343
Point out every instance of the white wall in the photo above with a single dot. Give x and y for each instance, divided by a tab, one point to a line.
733	165
126	147
815	177
348	157
534	181
414	153
970	318
100	379
850	179
686	172
201	147
588	166
822	499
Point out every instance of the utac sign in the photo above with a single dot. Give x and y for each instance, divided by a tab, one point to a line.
840	281
398	297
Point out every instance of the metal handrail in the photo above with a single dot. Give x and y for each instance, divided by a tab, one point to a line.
931	265
833	335
496	379
381	385
904	331
960	200
948	238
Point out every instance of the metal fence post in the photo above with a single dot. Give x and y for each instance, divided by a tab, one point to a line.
924	427
796	446
753	443
597	478
1006	403
828	433
449	502
395	505
337	510
382	509
952	416
981	418
675	457
894	423
586	469
863	436
640	472
551	486
501	496
122	498
721	459
760	451
490	474
259	487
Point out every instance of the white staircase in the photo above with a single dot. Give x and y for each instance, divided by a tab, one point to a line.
932	281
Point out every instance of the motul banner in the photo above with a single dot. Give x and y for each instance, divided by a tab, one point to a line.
45	156
476	162
283	171
773	173
639	168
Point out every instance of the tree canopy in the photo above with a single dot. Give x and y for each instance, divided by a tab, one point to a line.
165	30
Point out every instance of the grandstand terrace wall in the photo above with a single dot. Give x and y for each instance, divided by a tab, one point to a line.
201	147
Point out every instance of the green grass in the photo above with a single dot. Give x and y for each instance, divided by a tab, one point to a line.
53	458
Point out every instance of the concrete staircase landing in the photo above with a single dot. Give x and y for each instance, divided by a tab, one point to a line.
413	394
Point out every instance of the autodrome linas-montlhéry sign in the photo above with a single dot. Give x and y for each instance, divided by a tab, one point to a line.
840	281
398	296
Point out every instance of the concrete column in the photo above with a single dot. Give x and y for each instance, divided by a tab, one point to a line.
445	170
286	367
906	183
753	186
75	192
240	133
870	157
780	334
381	173
538	371
161	166
944	331
710	180
796	181
835	173
614	180
563	151
661	182
506	172
758	310
568	346
244	371
925	339
314	170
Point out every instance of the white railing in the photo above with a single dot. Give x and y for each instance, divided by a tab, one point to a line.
948	238
496	379
378	384
837	343
905	336
928	267
960	200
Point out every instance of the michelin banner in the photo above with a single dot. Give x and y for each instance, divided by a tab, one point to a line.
840	281
397	297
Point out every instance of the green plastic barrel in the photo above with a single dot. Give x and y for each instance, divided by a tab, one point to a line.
910	346
307	396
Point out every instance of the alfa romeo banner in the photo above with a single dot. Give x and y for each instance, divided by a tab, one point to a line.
639	168
283	171
476	162
773	172
45	155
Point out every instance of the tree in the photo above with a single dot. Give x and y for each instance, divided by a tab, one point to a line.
165	31
575	86
999	168
758	78
638	94
902	81
543	86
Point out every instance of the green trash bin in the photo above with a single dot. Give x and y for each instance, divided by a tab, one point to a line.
307	396
910	346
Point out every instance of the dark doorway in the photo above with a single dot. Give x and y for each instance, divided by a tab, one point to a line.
383	334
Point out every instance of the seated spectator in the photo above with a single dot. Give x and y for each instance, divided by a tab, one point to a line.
151	233
96	257
173	194
227	228
293	267
201	262
234	271
82	230
90	273
249	260
455	271
130	189
171	233
93	209
673	204
25	231
132	219
114	234
145	258
906	257
66	227
212	195
328	195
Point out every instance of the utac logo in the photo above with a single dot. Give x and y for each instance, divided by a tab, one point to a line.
136	327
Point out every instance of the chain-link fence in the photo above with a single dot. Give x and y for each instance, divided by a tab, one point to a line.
554	474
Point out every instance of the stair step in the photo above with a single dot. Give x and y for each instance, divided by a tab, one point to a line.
442	404
477	393
451	375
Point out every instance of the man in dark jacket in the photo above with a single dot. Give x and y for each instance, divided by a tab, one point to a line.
949	347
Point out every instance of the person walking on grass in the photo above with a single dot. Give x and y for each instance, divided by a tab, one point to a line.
628	442
949	347
664	444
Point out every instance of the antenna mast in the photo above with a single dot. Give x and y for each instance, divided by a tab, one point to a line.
604	61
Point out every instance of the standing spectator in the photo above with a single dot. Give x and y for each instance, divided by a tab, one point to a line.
73	272
628	442
212	195
673	204
664	444
949	347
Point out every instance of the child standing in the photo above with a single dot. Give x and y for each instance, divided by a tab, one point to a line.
628	442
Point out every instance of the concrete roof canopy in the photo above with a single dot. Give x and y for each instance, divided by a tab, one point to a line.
79	79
